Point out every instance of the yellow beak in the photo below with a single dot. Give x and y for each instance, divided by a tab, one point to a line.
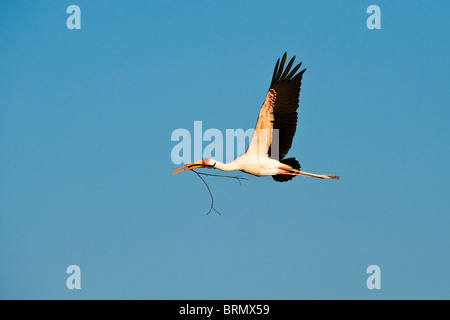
194	165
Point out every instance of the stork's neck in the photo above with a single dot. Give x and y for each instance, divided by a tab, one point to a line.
228	166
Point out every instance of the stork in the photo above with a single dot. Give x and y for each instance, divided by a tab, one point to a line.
273	134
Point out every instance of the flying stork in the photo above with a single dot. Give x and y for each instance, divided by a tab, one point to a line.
279	111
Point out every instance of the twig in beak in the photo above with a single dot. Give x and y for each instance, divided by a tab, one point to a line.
209	190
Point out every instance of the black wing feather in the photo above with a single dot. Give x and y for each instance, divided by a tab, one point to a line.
275	71
288	67
286	84
281	67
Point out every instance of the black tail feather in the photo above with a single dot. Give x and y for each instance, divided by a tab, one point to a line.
284	177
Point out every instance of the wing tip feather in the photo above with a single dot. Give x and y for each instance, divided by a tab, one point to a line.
282	73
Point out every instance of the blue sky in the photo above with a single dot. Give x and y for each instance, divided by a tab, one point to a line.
86	118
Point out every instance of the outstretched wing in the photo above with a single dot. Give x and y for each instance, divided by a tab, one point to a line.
279	111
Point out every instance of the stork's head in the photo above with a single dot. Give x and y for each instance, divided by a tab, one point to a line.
203	163
209	163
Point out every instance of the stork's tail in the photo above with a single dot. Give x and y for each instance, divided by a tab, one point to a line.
292	162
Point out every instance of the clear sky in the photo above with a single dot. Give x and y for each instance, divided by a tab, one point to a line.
86	118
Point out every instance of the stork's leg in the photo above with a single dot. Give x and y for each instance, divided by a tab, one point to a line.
320	176
292	171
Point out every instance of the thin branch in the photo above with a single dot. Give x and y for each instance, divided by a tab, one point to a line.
238	178
199	174
209	190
